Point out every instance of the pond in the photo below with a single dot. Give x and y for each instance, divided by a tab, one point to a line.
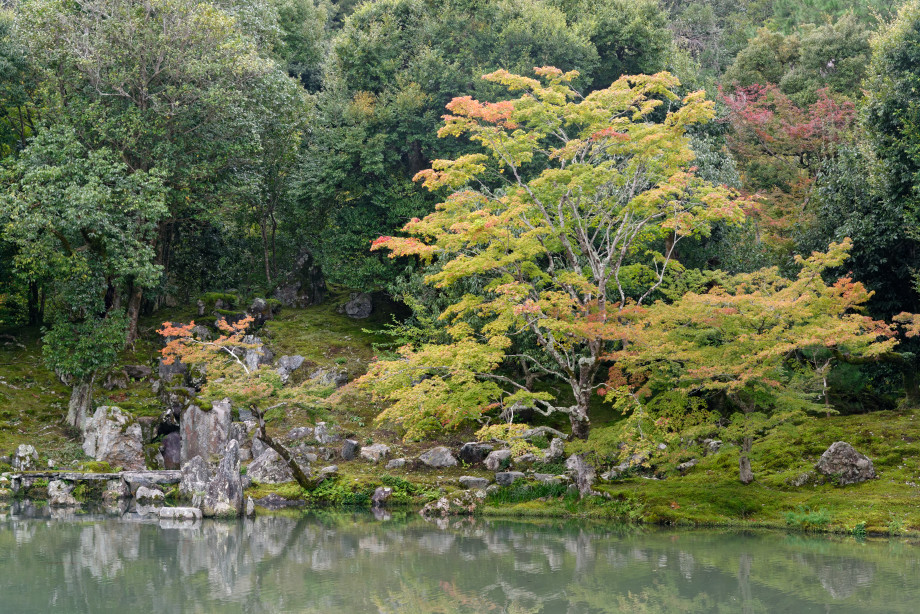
52	561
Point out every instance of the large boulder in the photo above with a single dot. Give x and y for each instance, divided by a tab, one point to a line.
498	459
204	433
287	365
473	482
381	496
171	449
59	494
507	478
360	306
270	468
350	449
24	458
438	458
582	473
111	436
224	495
473	452
196	474
842	461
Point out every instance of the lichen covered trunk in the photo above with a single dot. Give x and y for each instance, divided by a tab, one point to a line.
81	397
745	474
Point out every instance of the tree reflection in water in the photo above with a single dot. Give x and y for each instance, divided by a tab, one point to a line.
53	560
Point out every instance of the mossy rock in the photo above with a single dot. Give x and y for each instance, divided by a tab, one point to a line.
210	299
96	467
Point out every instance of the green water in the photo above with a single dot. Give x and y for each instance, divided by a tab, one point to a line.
53	561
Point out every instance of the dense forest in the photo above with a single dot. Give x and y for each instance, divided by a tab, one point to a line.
693	212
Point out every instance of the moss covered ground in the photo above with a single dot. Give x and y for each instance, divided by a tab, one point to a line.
33	403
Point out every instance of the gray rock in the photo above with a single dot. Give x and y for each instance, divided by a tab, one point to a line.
202	333
270	468
204	433
59	494
375	453
507	478
117	380
471	481
300	432
171	449
473	452
581	473
498	459
396	463
201	307
360	306
196	474
111	436
258	446
180	513
547	478
168	371
147	494
842	461
224	495
350	449
524	459
275	501
138	372
286	365
250	507
24	458
115	490
555	452
712	446
329	377
255	357
324	433
438	458
690	464
381	496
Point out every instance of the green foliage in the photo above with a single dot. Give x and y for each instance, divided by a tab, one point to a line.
520	492
808	520
834	56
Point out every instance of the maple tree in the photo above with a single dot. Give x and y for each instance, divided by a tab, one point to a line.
781	147
570	218
761	342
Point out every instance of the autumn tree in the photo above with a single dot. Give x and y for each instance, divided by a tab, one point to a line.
760	343
228	376
781	148
569	219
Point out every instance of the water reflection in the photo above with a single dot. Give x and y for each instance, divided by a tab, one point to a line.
52	560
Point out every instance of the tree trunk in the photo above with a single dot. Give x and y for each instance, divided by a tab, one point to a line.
134	312
34	306
580	425
81	399
744	462
265	255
